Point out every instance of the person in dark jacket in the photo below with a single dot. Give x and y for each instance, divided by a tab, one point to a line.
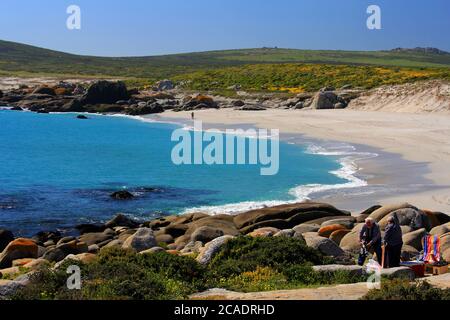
393	242
370	237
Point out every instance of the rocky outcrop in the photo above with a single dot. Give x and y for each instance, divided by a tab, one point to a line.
122	195
412	217
142	240
17	249
211	248
380	213
414	239
284	216
164	85
105	92
324	245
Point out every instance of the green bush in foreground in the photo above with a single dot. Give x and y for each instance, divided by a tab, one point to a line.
121	274
404	290
245	254
244	264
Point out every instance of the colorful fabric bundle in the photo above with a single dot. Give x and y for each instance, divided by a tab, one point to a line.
431	249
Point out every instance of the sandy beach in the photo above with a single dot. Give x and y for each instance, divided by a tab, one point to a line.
421	140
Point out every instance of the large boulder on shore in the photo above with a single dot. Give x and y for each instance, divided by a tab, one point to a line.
121	220
437	218
324	100
415	238
45	90
285	216
164	85
338	235
350	242
142	240
224	223
105	92
18	249
380	213
6	237
440	230
326	231
411	217
206	234
324	245
211	248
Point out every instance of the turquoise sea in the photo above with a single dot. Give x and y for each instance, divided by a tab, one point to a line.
57	171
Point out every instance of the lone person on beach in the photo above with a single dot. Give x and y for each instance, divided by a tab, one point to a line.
393	242
370	237
192	116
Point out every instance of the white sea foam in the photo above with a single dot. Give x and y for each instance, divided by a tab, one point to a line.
348	171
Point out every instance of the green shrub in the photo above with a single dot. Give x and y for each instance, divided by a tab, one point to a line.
262	279
120	274
404	290
245	254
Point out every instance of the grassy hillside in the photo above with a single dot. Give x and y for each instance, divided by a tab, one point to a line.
254	69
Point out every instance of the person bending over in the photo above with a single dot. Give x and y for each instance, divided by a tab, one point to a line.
370	237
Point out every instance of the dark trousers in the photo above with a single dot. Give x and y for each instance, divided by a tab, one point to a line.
393	254
376	248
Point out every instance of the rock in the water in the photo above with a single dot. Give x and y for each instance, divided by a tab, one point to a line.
399	273
82	117
6	237
380	213
211	248
264	232
122	195
326	231
414	239
324	245
18	249
105	92
142	240
206	234
121	220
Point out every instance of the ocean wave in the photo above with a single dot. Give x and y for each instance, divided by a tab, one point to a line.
348	157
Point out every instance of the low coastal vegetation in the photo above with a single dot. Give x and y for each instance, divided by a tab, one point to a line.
405	290
299	78
243	264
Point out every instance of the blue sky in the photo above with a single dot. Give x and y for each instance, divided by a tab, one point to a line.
149	27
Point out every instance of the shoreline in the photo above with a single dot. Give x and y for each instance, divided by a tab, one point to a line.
412	176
